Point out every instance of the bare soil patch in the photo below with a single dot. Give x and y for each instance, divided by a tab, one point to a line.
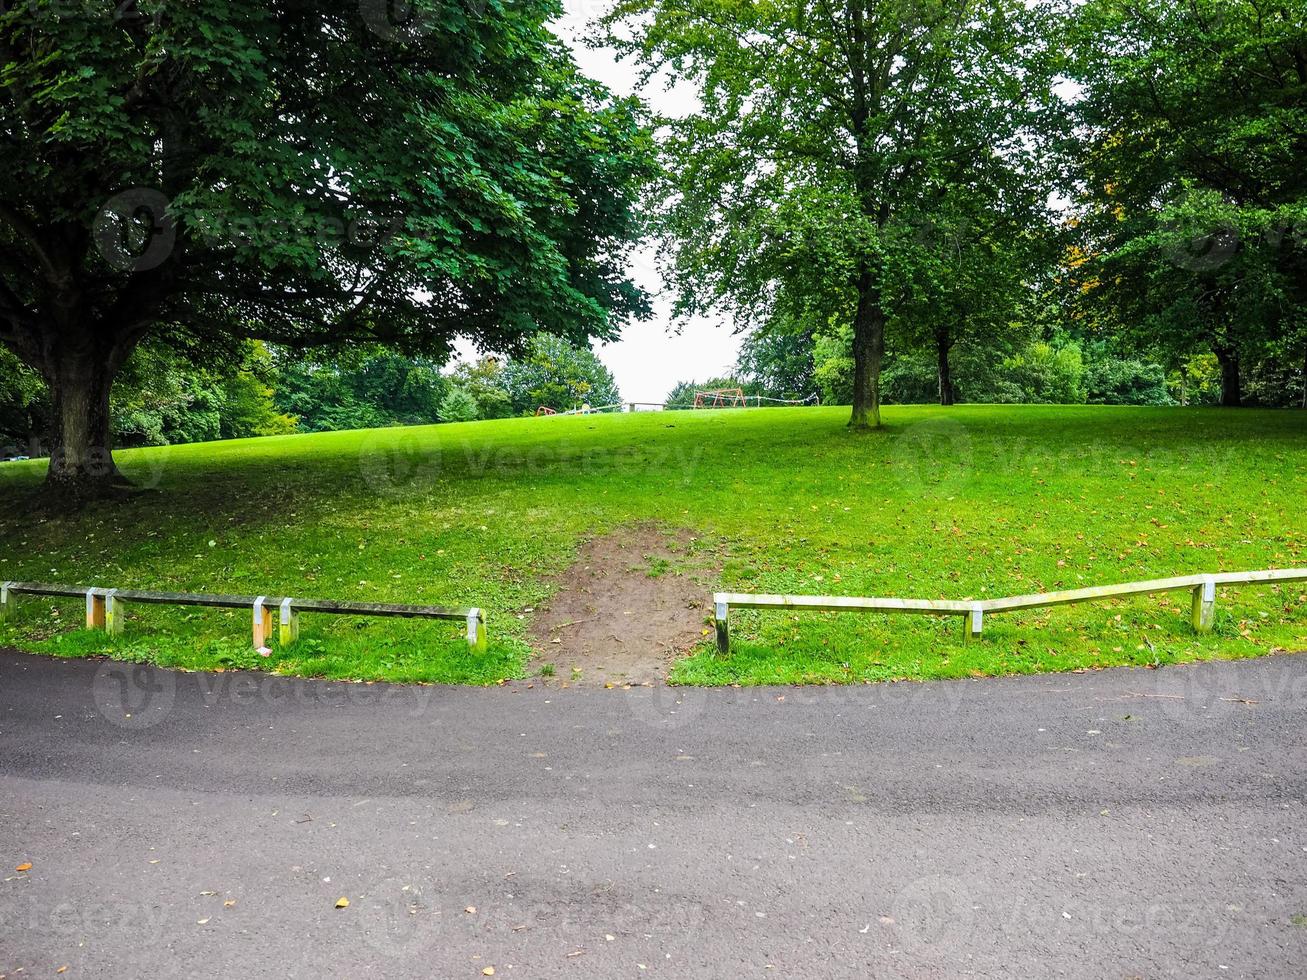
634	600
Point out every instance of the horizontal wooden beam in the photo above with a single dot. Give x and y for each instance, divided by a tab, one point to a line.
1178	584
220	601
42	588
815	603
105	609
1202	586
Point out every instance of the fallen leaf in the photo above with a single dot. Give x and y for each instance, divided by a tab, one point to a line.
201	922
230	903
470	910
342	902
488	971
25	866
62	969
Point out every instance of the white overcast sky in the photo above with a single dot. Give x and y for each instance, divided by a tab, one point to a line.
649	359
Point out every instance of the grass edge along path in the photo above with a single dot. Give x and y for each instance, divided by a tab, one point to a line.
961	503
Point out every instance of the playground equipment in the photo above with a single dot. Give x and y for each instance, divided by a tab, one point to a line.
721	398
545	410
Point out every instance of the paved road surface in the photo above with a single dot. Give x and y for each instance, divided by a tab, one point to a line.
1128	823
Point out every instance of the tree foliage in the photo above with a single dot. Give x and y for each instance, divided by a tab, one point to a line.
827	133
1194	114
303	173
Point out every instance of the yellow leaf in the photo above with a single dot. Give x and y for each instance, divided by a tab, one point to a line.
488	971
230	903
62	969
342	902
25	866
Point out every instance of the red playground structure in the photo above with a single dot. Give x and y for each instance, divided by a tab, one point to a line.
720	398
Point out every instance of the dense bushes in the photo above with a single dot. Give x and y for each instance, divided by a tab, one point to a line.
162	397
1056	371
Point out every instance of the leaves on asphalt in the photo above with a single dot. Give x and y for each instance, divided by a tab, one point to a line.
342	902
25	866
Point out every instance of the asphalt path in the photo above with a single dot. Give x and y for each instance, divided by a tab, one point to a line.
1124	823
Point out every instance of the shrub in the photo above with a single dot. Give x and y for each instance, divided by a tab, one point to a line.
458	406
1117	381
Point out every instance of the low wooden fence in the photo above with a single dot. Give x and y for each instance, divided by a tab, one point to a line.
973	612
105	609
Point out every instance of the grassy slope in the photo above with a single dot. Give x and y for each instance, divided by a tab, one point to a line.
964	502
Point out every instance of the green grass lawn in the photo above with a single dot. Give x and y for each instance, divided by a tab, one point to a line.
964	502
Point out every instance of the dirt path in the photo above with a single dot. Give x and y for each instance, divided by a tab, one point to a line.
634	600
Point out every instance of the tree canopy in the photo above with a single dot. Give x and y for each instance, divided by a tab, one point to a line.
828	135
307	173
1191	172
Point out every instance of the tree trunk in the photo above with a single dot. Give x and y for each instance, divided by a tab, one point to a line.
868	352
81	456
943	345
1231	389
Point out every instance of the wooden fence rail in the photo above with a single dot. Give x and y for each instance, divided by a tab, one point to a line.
105	609
973	612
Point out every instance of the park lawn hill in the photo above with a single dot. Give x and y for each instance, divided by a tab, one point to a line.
957	503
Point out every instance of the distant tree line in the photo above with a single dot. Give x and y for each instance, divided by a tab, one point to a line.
163	397
1052	368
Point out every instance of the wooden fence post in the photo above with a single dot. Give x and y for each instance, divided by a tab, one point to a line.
262	622
289	623
721	615
975	622
8	603
115	614
95	609
1204	606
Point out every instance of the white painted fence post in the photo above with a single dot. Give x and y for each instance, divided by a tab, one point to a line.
1204	606
289	623
476	630
975	622
8	602
721	614
115	615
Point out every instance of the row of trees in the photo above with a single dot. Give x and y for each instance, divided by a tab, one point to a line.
162	398
961	180
194	175
1020	366
896	178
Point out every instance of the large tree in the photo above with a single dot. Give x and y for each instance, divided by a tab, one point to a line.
1193	140
308	173
826	129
